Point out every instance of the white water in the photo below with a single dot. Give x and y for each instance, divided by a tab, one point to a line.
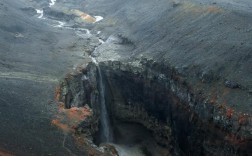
106	135
60	25
79	32
104	113
101	41
128	151
94	61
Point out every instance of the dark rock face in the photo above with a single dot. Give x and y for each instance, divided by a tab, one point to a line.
183	123
78	89
196	80
181	120
231	84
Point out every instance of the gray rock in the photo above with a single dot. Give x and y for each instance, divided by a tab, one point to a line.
231	84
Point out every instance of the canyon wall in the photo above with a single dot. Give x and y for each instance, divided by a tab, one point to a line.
181	119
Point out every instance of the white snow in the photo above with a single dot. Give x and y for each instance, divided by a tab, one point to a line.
98	18
52	3
40	12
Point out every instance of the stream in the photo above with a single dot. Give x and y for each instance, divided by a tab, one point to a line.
123	148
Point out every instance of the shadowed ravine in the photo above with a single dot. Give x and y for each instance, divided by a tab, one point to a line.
125	78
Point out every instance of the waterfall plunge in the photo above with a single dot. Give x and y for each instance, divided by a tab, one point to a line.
106	134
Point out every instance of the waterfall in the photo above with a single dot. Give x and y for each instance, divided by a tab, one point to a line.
106	135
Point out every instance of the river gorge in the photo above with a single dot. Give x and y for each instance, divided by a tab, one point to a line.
125	78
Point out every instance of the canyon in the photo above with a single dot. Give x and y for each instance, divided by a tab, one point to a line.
128	78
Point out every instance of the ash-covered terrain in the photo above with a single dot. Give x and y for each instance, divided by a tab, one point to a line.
134	77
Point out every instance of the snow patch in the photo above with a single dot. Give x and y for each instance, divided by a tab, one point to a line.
40	12
52	3
98	18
